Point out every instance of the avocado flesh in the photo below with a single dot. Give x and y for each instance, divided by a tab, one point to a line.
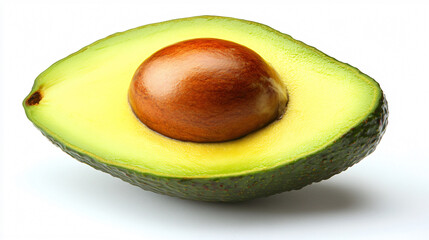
335	116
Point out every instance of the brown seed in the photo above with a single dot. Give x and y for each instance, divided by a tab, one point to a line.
206	90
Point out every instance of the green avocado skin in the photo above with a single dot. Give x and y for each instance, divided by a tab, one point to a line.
349	149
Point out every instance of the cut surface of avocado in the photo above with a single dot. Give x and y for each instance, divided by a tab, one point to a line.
84	107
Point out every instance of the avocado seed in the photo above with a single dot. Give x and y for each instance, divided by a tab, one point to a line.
206	90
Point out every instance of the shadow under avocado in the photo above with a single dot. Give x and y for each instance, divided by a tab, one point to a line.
317	198
107	193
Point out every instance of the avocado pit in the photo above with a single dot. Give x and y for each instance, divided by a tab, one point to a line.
206	90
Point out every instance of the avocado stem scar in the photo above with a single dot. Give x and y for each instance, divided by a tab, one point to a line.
34	99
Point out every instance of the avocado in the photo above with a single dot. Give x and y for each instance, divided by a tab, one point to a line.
335	116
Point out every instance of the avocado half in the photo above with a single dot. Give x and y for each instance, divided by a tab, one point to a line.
336	116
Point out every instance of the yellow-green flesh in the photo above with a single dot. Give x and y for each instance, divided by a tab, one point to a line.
85	105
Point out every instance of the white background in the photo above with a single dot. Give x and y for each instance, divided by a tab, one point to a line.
45	194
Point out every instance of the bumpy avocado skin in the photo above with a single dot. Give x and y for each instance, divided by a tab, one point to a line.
349	149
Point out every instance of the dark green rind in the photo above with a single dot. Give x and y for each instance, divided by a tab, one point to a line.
337	157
